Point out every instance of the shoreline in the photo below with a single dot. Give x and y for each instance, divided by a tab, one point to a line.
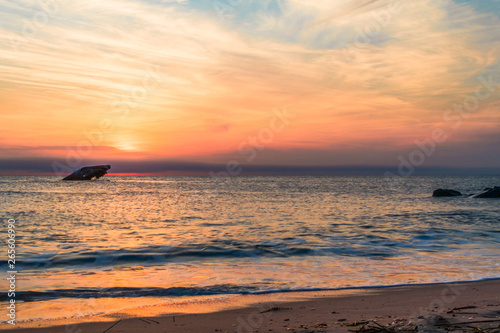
300	311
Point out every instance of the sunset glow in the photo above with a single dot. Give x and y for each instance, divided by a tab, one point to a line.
275	82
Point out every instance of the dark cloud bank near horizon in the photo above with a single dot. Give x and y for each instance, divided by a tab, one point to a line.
44	166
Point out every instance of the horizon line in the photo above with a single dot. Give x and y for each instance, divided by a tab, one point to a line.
262	170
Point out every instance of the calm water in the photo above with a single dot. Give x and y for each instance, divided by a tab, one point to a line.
188	236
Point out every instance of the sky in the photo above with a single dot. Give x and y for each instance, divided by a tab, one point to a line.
234	86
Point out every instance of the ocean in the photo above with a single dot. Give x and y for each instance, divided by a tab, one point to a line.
169	238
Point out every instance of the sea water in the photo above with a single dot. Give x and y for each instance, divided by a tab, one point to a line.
178	237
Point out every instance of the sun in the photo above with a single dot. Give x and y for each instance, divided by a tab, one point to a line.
125	143
127	146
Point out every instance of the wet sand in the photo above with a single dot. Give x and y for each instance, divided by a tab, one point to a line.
470	306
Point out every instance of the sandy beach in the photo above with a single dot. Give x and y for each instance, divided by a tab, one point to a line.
469	306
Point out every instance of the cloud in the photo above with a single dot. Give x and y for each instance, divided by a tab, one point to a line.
174	79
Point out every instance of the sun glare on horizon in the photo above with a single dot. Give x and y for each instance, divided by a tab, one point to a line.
128	147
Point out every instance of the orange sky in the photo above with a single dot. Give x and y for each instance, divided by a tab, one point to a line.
285	82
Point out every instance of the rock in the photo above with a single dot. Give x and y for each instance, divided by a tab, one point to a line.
489	193
446	193
435	324
88	173
438	321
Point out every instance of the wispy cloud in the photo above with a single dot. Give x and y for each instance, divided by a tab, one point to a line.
351	78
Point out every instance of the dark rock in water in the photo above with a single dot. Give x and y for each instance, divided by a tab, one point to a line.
489	193
88	173
446	193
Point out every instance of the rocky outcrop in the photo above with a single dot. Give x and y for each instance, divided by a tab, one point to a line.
489	193
446	193
88	173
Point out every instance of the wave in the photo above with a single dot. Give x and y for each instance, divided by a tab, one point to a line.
124	292
221	289
198	252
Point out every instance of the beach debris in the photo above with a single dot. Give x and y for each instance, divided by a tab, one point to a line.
149	321
374	327
357	323
446	193
89	172
438	321
462	308
433	324
470	322
112	326
489	193
275	308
